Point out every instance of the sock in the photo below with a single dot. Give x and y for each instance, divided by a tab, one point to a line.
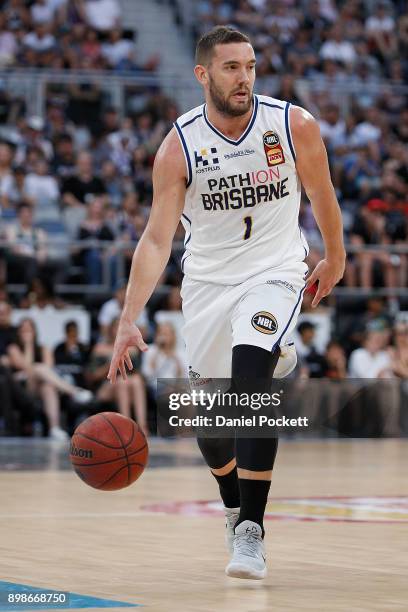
254	495
229	488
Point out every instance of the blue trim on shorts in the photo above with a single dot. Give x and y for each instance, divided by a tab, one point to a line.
186	153
289	137
277	343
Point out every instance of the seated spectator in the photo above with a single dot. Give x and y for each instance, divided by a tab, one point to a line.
6	174
380	30
399	352
371	360
114	183
15	192
312	364
337	48
117	48
8	44
91	47
28	253
39	40
42	12
71	356
41	294
80	188
95	228
336	361
112	309
130	394
102	15
41	186
64	160
162	360
34	364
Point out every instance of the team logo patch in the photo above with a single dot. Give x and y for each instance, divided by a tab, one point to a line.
204	159
273	149
264	322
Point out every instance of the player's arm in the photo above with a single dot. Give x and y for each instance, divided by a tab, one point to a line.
154	248
313	170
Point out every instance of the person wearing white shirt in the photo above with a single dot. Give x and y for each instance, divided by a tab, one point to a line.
102	15
162	360
372	360
40	186
112	309
338	49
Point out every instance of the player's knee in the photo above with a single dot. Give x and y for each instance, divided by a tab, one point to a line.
217	451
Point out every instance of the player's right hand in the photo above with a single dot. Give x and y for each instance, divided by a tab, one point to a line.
128	335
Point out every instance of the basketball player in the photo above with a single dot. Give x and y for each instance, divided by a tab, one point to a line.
231	170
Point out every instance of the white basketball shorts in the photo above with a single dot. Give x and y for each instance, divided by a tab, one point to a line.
262	312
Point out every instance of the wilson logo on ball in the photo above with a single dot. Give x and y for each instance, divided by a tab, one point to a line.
80	452
264	322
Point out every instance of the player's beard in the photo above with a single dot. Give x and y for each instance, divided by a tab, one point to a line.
223	105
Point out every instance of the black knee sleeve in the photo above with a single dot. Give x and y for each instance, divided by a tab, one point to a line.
252	372
217	452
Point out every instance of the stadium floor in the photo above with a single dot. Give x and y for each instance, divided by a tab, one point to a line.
336	534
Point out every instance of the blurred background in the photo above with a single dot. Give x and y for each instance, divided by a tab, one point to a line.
88	91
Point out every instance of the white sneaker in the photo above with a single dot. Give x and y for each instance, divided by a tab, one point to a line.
83	396
56	433
248	558
287	360
231	517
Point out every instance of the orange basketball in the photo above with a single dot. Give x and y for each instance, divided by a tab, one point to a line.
108	451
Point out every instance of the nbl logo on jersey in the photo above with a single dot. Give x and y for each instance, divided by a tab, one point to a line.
206	160
273	149
264	322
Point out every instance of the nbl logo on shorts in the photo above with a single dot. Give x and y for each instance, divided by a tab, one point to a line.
204	159
264	322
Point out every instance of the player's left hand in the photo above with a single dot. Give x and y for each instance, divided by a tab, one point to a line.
327	273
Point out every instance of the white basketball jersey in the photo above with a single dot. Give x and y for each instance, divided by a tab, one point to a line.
242	201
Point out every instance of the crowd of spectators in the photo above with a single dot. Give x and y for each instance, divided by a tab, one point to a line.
67	34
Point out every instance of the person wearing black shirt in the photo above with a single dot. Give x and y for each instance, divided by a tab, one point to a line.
80	188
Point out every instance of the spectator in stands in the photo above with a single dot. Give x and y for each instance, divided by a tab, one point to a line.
112	309
41	186
380	30
6	174
27	254
337	49
336	361
71	356
399	352
15	191
64	160
114	184
371	360
118	49
81	188
162	360
34	364
94	229
130	393
91	47
102	15
42	12
33	140
8	44
312	363
41	295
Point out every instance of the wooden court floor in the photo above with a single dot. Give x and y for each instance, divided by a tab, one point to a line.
55	532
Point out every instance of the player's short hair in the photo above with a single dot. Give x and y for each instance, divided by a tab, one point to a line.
220	35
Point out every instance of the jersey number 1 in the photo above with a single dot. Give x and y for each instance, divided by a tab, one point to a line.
248	227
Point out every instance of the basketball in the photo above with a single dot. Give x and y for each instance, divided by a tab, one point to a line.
108	451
